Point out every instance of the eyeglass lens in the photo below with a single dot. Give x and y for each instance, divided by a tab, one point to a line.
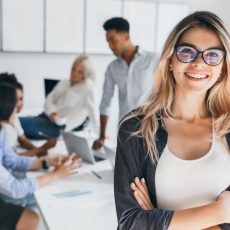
212	56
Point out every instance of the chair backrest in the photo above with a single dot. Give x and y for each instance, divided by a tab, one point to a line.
49	85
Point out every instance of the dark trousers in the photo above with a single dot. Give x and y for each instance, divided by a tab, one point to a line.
40	127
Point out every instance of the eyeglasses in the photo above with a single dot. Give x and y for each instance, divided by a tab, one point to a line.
211	56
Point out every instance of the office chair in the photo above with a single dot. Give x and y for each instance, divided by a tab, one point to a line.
49	85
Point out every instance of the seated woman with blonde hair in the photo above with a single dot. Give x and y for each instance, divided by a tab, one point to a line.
69	105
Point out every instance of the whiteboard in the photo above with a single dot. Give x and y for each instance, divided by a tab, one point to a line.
98	11
142	19
169	14
64	26
22	28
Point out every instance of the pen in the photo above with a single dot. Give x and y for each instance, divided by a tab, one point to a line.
96	174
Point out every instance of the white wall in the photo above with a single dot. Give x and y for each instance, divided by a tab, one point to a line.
32	68
220	7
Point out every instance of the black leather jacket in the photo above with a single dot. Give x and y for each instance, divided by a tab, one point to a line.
131	162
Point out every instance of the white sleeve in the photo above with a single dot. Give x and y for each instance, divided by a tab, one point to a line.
10	134
17	125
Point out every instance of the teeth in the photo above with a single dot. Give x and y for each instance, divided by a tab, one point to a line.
195	75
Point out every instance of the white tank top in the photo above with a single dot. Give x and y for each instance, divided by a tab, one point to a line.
182	184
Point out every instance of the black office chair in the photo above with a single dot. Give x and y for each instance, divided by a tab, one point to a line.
49	85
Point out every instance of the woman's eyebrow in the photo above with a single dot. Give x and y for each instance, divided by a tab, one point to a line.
191	45
186	44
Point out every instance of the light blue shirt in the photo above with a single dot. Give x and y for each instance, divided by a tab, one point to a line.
134	82
10	185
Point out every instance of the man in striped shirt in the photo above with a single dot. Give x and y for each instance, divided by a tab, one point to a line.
132	72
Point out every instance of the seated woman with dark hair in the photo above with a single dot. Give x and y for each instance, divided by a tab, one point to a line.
17	217
13	130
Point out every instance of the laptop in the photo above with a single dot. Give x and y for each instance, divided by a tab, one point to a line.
80	146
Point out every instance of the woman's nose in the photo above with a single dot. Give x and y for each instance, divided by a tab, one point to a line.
199	62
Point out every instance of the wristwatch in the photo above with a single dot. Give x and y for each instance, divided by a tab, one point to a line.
44	164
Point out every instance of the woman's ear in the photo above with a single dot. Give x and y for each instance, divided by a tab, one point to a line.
170	67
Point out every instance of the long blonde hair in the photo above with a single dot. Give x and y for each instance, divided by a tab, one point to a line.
160	101
89	72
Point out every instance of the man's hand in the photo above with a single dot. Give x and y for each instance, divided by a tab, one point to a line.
97	144
51	142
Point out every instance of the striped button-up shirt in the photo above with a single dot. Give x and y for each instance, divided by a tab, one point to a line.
134	82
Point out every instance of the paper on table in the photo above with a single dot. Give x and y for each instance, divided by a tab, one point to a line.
80	198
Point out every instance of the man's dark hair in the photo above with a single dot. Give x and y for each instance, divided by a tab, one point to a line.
119	24
8	101
10	79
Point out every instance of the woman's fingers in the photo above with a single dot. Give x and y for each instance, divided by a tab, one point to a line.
141	193
142	187
68	162
72	171
139	200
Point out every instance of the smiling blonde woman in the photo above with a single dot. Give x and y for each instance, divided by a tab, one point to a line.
173	159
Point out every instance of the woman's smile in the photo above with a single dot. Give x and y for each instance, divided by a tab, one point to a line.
196	76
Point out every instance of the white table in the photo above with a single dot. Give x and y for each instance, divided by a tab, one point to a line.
92	208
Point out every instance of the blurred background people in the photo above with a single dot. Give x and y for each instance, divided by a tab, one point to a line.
132	72
14	216
13	130
69	106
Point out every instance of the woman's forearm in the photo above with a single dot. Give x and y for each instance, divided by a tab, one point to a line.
47	178
34	152
198	218
37	164
213	228
25	143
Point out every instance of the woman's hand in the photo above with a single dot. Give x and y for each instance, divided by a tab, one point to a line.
59	160
69	166
141	194
64	167
224	200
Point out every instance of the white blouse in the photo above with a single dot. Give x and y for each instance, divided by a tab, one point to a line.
11	135
73	103
182	184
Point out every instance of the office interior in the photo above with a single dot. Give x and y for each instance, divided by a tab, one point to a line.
47	59
32	67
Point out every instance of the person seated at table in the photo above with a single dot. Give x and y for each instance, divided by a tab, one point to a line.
13	131
17	217
68	105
